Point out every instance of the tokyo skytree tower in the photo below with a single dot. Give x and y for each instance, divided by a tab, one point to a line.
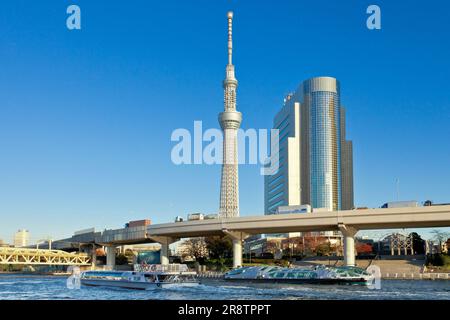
230	120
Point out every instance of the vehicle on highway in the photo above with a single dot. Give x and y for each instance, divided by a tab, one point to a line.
401	204
304	208
429	203
195	216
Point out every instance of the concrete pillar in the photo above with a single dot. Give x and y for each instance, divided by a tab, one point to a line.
237	253
165	252
349	250
238	238
94	257
111	257
349	244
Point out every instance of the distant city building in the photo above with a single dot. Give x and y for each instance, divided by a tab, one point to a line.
315	159
347	193
21	238
266	246
396	244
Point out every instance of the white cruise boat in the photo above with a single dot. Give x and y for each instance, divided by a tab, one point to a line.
144	277
313	275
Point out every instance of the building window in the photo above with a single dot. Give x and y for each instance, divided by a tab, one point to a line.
275	180
275	205
278	187
276	196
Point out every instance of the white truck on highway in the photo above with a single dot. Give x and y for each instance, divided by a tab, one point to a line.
305	208
401	204
195	216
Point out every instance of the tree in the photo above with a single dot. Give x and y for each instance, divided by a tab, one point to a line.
363	248
418	243
121	259
130	254
219	247
291	246
310	245
440	237
195	248
323	249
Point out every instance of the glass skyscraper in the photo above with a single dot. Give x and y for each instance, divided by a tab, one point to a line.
316	164
320	97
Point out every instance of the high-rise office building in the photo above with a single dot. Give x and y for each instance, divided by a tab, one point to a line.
284	187
21	238
346	167
315	159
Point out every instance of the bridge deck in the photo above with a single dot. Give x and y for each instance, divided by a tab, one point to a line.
368	219
419	217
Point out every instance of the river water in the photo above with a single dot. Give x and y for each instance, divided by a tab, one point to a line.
54	287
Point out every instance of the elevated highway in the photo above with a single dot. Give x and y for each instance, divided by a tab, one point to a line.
418	217
349	222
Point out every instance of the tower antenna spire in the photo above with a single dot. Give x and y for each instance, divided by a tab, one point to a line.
230	37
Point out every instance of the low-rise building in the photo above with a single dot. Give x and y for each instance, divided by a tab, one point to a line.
21	238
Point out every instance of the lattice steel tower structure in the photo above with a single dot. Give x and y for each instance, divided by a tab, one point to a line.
230	121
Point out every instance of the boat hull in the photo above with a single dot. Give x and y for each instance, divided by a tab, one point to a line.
326	281
137	285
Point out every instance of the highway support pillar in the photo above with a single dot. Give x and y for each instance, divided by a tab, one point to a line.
94	257
111	257
237	253
349	244
237	238
165	251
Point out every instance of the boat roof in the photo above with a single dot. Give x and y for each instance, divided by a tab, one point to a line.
267	268
119	273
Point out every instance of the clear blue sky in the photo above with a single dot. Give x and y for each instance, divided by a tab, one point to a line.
86	116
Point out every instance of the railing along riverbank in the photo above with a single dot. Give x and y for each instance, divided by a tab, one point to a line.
416	276
210	275
385	276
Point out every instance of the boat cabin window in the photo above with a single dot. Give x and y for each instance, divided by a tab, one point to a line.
236	271
150	277
291	275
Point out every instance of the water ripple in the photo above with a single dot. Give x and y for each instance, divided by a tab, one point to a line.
51	288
